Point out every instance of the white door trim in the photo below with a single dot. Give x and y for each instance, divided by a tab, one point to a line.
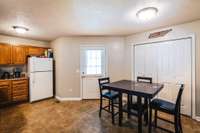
106	61
192	37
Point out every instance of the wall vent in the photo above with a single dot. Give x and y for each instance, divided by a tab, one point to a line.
159	34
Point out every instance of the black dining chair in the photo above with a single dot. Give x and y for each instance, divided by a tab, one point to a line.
169	108
144	79
112	96
134	106
146	101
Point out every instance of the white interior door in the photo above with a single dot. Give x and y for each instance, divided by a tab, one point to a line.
93	66
169	63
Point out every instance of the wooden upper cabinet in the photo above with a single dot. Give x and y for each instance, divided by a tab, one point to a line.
35	51
11	54
5	54
18	55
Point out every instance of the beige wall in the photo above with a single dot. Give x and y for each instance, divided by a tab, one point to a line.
18	40
187	29
67	56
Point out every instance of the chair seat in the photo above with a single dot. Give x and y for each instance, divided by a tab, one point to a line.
163	105
111	95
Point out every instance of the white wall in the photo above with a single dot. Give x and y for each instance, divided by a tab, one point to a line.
67	57
192	28
22	41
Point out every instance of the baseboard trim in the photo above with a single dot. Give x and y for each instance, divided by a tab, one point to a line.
197	118
68	98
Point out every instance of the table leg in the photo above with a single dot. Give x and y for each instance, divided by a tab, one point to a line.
147	101
150	119
128	104
120	109
139	100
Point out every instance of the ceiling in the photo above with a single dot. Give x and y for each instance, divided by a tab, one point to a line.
50	19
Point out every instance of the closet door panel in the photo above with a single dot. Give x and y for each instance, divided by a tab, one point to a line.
139	61
174	68
164	74
151	61
145	61
184	75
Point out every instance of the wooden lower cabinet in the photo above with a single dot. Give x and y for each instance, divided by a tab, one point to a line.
19	90
5	92
14	90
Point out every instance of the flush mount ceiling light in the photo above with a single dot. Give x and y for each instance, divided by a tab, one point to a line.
147	13
20	29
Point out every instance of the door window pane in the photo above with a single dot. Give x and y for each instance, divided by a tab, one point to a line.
94	62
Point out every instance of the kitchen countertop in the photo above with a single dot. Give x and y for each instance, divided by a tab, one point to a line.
21	78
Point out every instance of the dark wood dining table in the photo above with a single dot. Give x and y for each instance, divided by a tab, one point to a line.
139	89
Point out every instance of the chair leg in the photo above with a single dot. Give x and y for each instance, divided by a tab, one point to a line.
180	125
176	125
146	114
101	104
109	104
150	119
155	118
113	112
146	118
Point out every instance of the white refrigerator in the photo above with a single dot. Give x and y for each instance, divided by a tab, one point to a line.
40	78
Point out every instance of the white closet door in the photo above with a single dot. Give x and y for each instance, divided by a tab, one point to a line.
164	70
140	60
143	59
168	63
151	64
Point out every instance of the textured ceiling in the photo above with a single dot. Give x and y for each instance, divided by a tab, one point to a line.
49	19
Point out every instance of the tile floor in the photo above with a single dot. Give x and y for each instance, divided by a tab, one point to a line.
50	116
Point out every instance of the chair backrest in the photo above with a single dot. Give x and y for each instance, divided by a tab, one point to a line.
144	79
178	99
103	81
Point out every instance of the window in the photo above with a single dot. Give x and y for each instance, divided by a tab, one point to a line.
93	61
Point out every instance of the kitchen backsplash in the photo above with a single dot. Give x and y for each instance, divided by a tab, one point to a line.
9	68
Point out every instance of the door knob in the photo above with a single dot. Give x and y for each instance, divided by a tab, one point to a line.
83	76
